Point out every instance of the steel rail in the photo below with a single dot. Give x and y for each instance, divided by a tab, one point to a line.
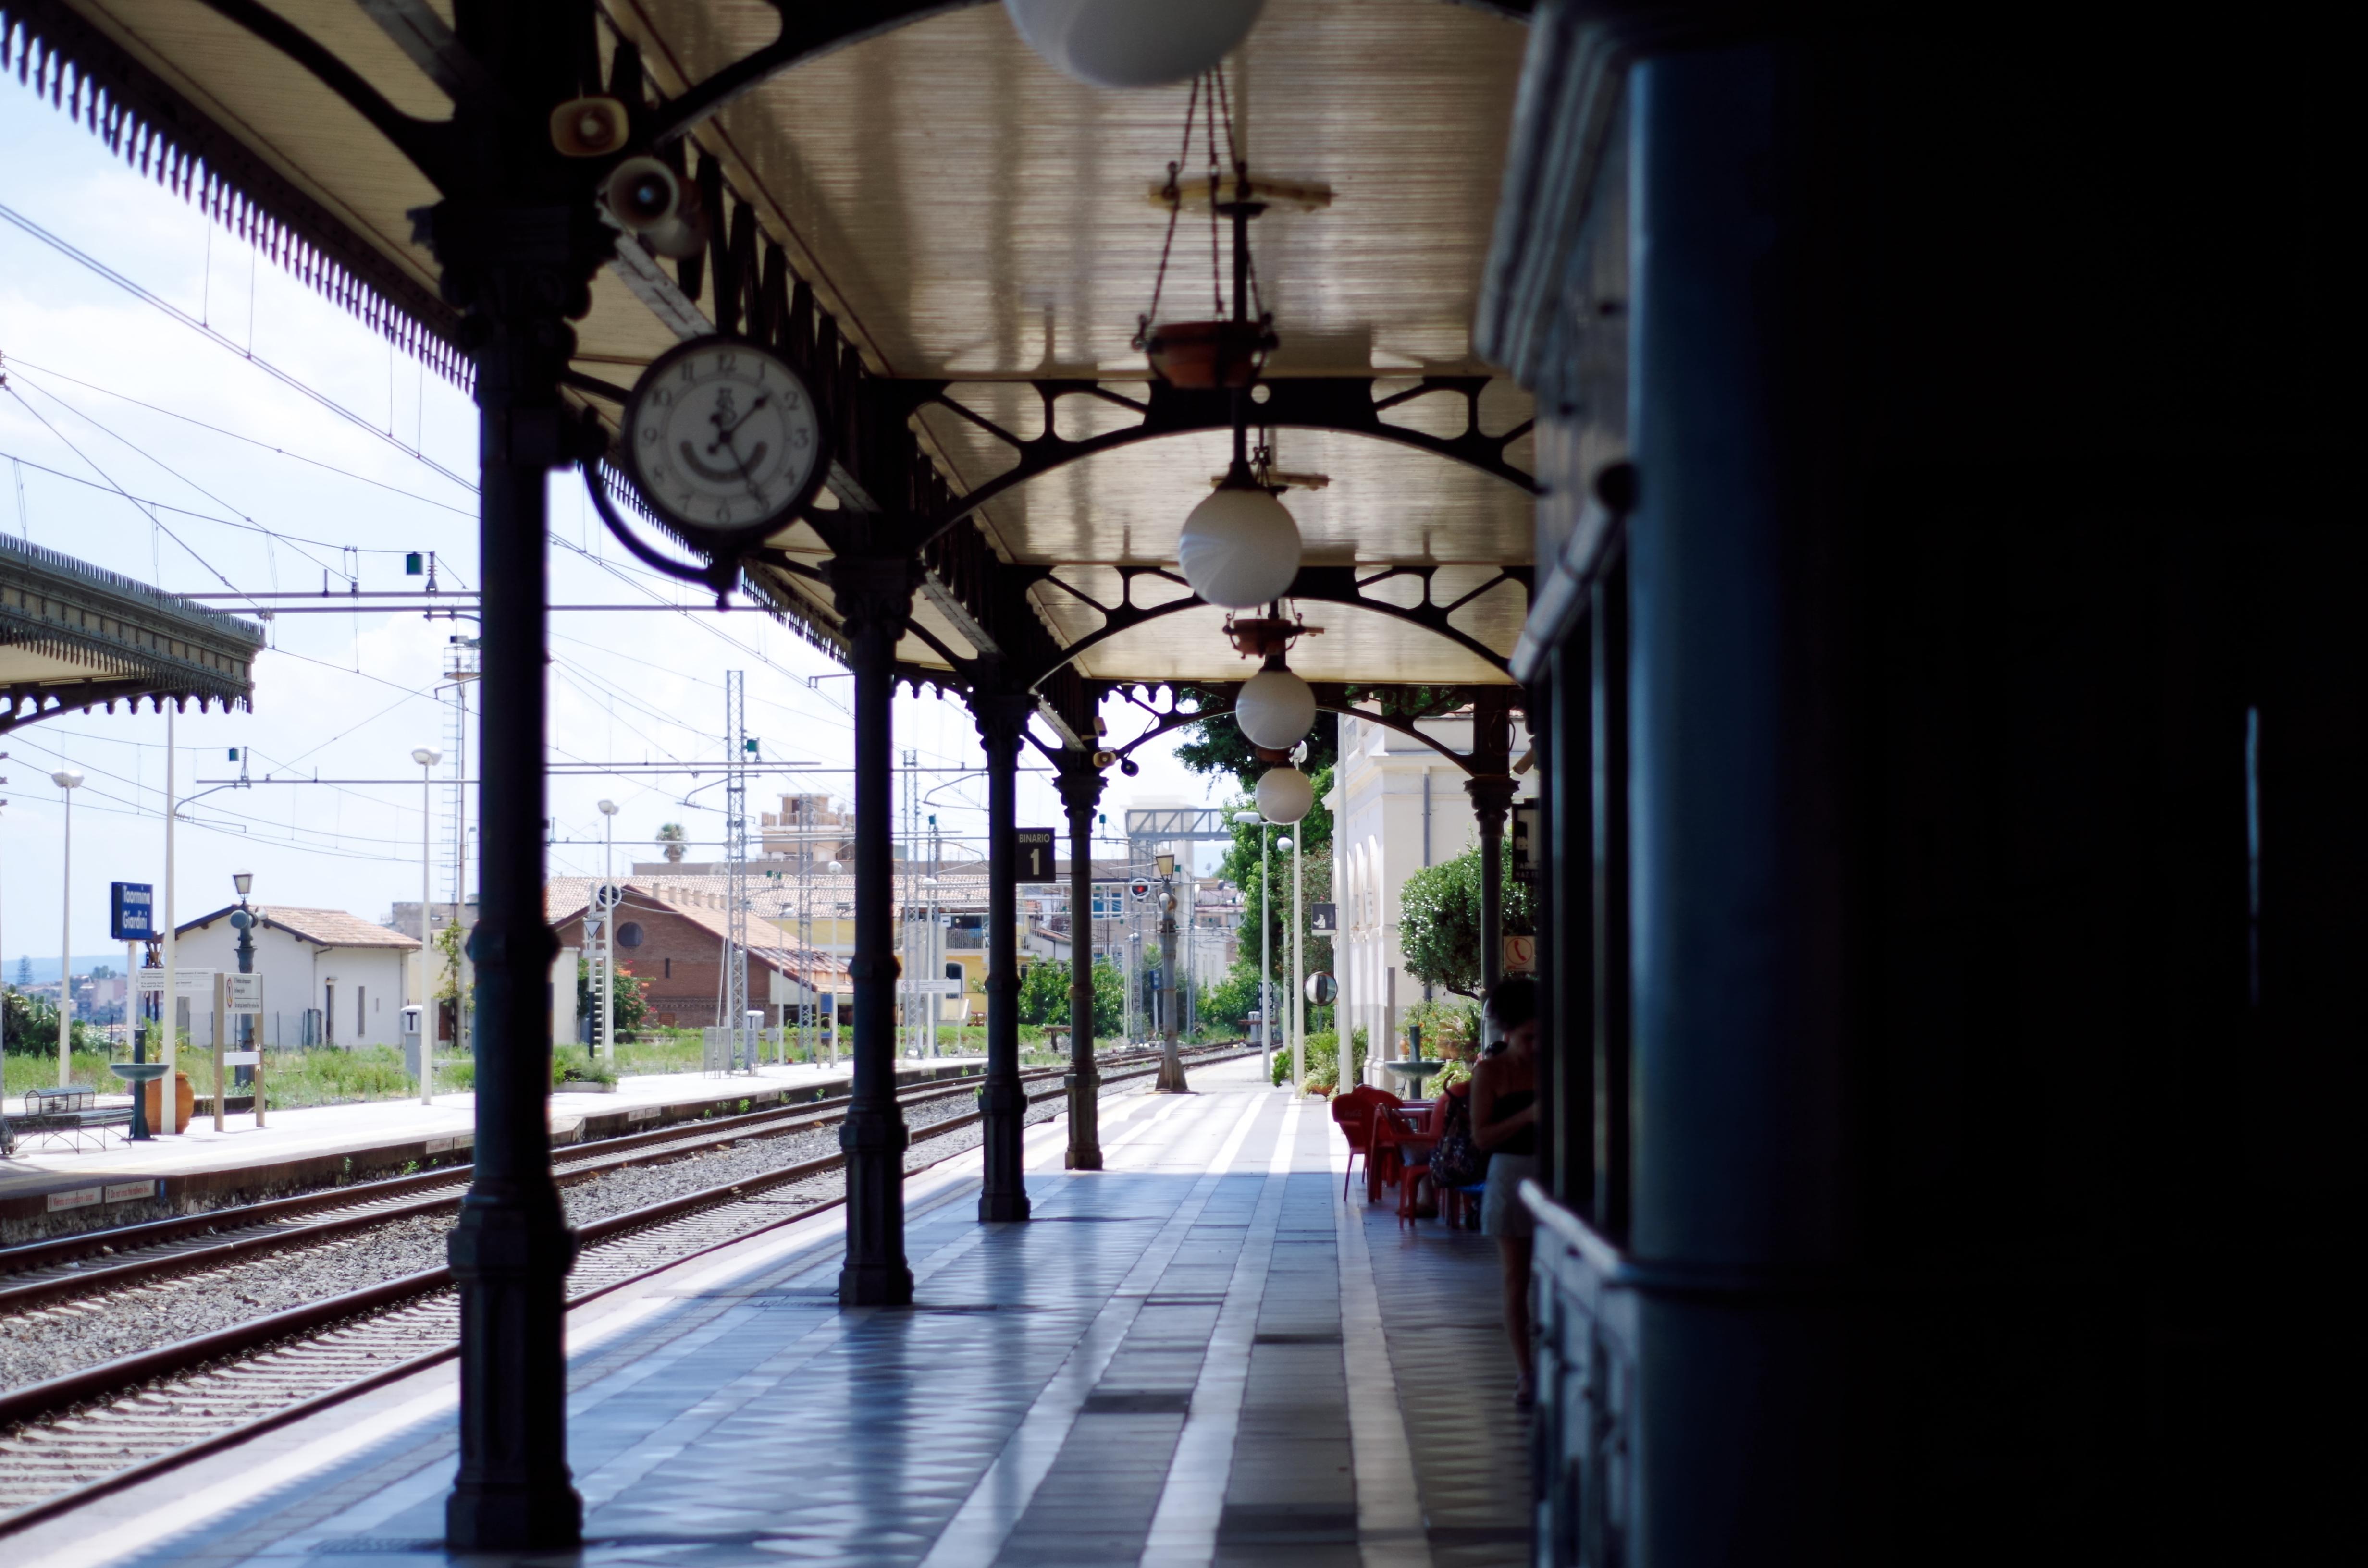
22	1407
375	1202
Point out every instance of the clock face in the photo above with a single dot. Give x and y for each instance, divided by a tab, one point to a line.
723	437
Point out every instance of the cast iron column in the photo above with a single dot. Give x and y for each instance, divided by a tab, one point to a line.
1081	791
1491	790
518	239
874	596
1001	717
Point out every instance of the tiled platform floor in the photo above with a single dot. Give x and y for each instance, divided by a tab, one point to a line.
1198	1355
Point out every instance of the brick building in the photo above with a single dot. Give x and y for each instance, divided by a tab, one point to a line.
671	938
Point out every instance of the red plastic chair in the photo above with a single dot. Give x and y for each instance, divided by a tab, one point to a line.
1381	1154
1409	1132
1353	1114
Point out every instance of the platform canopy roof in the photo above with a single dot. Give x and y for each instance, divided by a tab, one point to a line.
74	636
944	226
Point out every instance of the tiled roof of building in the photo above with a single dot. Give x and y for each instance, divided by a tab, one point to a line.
700	902
323	927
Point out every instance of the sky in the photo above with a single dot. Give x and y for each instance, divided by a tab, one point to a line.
285	445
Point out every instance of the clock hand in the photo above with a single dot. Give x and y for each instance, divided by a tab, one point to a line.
723	434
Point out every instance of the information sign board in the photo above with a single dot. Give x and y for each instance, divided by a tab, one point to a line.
186	981
131	910
1323	919
1035	854
243	993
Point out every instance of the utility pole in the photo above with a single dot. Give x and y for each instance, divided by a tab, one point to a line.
736	868
1266	948
1298	1017
426	757
608	949
67	780
168	1002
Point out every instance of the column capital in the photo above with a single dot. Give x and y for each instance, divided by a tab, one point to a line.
873	593
1081	782
1002	718
1492	797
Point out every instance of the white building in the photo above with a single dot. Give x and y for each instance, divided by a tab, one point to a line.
328	977
1397	806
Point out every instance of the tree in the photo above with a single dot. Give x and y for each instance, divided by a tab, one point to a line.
1439	920
631	1009
671	835
1044	997
28	1026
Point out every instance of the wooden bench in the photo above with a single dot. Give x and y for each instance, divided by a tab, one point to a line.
71	1113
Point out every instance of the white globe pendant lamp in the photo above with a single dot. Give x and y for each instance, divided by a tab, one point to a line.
1132	43
1284	794
1275	709
1240	547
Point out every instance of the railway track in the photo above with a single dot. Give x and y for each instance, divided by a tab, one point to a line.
73	1437
90	1263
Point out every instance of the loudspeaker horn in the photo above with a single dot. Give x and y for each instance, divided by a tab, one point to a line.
589	128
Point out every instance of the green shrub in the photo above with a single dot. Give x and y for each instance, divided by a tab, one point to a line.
1323	1053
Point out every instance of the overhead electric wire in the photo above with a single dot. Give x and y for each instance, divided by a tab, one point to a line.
251	440
168	468
59	244
85	457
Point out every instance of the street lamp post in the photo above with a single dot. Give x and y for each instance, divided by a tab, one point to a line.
1266	949
1298	964
426	757
608	933
242	921
68	782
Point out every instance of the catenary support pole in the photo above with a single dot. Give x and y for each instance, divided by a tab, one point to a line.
66	934
1004	1104
874	597
169	1005
1081	792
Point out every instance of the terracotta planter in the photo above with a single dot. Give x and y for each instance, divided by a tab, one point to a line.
1206	355
184	1100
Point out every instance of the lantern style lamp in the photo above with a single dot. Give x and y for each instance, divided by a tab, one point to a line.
1284	795
1132	43
1240	547
1275	709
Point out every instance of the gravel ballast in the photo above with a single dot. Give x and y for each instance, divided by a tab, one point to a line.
68	1336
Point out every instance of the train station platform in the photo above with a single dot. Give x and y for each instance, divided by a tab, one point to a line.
1199	1355
117	1182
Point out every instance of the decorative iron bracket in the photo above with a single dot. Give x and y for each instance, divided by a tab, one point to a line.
1342	403
1315	584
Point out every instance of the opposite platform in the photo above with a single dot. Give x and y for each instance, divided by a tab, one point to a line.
125	1183
1198	1355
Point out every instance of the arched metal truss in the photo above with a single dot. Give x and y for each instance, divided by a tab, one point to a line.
1315	584
1412	704
1344	405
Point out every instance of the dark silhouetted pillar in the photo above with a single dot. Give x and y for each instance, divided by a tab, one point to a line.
874	596
1001	718
1081	792
519	240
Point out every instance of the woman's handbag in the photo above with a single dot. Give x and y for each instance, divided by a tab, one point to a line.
1457	1160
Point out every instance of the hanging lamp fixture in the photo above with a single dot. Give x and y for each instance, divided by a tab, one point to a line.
1275	709
1132	43
1240	547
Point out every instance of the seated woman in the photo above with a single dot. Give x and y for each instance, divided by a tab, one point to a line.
1504	1123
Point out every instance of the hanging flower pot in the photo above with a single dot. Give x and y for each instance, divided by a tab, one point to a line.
1205	355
